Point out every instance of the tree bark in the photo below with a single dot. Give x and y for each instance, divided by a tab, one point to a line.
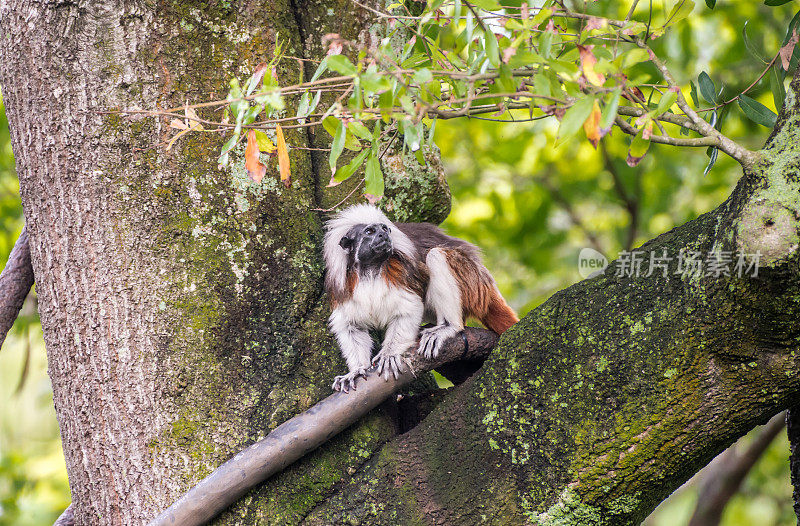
181	304
184	318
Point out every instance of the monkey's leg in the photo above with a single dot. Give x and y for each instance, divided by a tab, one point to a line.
356	346
443	298
401	336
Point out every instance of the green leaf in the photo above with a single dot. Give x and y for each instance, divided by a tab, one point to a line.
423	76
252	113
431	133
666	102
350	168
707	88
638	148
489	5
541	86
774	3
712	154
492	53
302	107
525	58
412	136
634	56
230	143
236	89
681	10
264	142
545	44
610	110
693	94
790	29
359	130
749	45
711	3
331	124
574	118
777	88
373	176
337	146
757	112
322	68
341	64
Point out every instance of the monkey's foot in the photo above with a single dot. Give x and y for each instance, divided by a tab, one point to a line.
347	381
388	363
432	339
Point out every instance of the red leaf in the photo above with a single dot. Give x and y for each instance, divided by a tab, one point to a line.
255	169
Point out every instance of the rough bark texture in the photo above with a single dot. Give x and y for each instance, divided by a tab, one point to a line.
616	390
184	318
181	305
16	281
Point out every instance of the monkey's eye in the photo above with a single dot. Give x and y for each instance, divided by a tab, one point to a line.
384	227
370	230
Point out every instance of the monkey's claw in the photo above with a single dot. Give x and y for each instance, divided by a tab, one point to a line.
347	381
432	339
388	364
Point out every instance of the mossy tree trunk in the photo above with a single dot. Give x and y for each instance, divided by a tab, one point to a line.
182	305
184	317
611	394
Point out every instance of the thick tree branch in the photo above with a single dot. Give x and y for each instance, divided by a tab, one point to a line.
615	391
16	281
307	431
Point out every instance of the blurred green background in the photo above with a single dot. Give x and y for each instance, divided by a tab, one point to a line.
531	208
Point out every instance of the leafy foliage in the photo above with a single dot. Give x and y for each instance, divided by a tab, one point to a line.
465	58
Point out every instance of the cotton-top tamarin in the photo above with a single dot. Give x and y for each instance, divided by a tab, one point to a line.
392	277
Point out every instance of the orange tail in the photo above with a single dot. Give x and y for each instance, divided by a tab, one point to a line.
499	316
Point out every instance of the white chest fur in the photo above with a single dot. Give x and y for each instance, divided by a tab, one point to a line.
375	304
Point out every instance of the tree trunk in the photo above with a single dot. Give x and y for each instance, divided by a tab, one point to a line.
181	304
184	318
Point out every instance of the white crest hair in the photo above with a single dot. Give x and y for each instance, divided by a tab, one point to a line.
336	228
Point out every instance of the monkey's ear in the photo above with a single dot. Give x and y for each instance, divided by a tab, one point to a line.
346	243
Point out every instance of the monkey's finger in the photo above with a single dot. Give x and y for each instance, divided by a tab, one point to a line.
426	352
381	364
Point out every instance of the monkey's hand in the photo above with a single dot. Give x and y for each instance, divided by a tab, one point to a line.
432	339
388	363
347	381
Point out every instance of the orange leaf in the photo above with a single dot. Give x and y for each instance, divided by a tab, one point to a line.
283	156
592	125
255	169
588	60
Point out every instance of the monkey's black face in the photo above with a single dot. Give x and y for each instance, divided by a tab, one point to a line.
368	244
